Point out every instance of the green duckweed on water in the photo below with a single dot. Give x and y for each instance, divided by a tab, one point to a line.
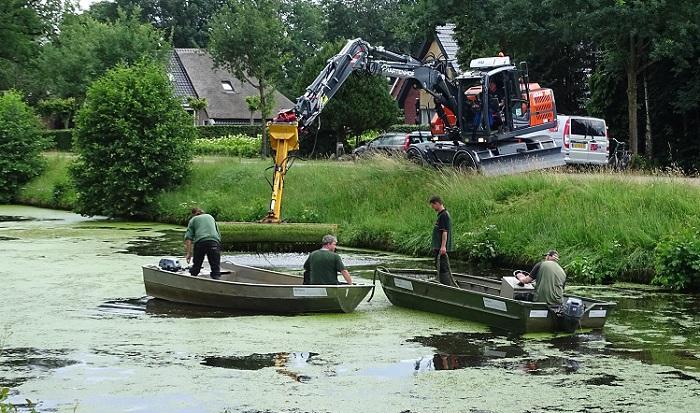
81	336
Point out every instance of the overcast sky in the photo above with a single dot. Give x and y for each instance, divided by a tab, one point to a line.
85	4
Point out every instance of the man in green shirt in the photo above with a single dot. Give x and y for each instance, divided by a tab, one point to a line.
442	241
203	233
550	277
323	265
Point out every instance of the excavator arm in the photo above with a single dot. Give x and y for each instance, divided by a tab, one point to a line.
356	55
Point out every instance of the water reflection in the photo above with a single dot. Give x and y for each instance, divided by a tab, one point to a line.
650	326
138	307
13	218
20	364
466	350
281	361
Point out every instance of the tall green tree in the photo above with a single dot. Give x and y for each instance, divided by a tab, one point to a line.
86	48
635	35
249	38
557	57
134	140
306	27
362	103
20	144
185	22
20	28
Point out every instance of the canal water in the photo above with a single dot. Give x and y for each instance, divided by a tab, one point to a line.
78	334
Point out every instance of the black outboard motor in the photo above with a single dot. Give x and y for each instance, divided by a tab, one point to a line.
570	314
170	264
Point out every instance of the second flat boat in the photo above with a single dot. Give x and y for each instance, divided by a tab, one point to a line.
498	303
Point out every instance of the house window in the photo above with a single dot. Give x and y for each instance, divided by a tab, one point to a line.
228	87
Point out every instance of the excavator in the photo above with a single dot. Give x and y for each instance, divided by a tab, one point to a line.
480	116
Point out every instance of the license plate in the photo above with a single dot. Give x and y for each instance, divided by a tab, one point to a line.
579	146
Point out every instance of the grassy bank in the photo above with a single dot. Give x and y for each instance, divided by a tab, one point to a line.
606	227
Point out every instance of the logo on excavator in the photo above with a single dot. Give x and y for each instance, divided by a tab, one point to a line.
398	72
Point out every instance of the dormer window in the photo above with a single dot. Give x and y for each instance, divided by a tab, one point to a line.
227	86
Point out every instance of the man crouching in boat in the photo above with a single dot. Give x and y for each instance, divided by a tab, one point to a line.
323	265
550	277
203	232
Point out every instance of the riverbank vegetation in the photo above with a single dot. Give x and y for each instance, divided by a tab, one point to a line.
607	227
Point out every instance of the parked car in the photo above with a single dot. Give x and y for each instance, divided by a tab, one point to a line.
583	140
391	143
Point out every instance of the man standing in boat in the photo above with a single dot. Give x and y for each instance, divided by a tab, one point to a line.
323	265
550	277
442	241
203	234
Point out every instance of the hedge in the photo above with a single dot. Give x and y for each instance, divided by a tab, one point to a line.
217	131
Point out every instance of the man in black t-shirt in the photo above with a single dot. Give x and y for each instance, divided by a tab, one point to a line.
442	241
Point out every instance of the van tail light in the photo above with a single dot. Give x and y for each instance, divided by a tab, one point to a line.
567	133
407	143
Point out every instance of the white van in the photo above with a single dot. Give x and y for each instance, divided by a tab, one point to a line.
583	140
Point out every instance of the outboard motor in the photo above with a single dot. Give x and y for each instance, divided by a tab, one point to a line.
570	314
170	264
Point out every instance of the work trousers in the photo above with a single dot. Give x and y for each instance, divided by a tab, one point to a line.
442	265
212	249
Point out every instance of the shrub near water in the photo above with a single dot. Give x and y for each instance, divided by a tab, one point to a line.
134	141
20	145
678	261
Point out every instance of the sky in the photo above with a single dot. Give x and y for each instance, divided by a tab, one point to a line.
85	4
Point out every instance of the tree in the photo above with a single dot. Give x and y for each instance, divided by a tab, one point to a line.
86	48
186	22
20	144
362	103
249	38
634	35
305	23
376	21
58	109
20	26
133	139
518	29
253	103
197	106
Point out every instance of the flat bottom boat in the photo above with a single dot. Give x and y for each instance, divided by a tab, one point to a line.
501	304
251	289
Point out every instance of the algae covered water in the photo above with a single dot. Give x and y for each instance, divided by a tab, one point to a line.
78	334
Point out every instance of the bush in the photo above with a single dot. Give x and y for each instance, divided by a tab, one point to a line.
20	144
232	145
677	261
134	141
59	139
219	131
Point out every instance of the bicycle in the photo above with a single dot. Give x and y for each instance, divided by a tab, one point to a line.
620	157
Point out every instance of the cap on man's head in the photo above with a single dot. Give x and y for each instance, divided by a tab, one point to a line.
552	253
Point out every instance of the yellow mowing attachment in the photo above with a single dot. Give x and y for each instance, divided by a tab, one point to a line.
284	138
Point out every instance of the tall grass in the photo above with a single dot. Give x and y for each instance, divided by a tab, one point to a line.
605	226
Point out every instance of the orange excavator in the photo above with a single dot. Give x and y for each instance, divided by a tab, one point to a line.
480	116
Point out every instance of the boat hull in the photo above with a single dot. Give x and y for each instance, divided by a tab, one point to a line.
252	290
414	289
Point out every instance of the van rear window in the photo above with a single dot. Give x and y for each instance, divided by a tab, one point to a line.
587	127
